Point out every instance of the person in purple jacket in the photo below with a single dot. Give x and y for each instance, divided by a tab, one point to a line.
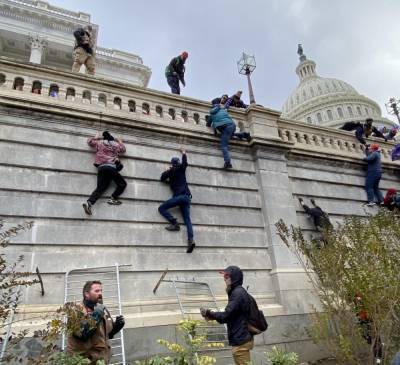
108	150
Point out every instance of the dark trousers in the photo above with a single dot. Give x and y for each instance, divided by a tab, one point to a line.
105	175
372	187
173	82
183	202
227	132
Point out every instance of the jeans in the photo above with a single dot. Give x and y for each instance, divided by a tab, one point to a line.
227	132
105	175
372	187
173	82
183	201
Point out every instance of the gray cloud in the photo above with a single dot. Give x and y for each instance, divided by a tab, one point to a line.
352	40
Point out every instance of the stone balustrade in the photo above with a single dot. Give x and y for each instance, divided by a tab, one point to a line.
100	96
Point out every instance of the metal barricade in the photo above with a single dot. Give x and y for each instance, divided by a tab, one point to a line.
191	296
110	279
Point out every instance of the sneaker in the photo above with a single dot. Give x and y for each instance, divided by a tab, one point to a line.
248	137
173	227
191	245
370	204
227	165
87	207
113	201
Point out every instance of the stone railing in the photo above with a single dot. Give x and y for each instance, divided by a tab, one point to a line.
118	55
91	95
76	90
43	5
319	139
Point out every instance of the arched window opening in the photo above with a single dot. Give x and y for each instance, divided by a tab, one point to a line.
330	115
184	116
117	103
340	112
350	110
53	91
131	106
18	84
171	113
102	99
309	120
2	79
145	108
319	117
70	93
87	97
196	118
159	111
36	87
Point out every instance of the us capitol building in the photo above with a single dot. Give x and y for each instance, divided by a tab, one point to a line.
47	113
326	101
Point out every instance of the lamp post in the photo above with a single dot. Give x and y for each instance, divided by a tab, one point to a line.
392	107
246	65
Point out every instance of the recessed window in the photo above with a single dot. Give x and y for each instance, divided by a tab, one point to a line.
340	112
102	100
87	98
53	91
359	110
36	87
2	79
18	84
330	115
309	120
117	103
146	108
132	105
350	110
319	117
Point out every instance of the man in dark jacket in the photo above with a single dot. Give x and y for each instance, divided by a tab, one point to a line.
235	315
175	72
92	326
175	176
320	218
236	101
374	174
222	100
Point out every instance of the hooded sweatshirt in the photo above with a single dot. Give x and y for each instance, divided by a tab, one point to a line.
237	310
374	162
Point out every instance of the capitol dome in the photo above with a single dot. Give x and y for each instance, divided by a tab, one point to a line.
326	101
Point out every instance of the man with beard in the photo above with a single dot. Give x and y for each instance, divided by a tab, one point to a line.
93	326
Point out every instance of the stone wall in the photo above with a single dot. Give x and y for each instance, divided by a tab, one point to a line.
46	172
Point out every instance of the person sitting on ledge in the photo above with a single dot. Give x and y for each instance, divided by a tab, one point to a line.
374	174
223	123
108	150
175	176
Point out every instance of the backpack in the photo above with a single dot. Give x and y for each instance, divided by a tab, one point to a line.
256	321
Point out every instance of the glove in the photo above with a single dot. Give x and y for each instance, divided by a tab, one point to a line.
205	313
98	312
118	325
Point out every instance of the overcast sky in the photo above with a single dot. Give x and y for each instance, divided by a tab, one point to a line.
357	41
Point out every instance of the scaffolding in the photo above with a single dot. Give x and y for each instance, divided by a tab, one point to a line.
110	279
191	296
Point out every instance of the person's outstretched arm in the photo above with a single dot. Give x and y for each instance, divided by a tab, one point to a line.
359	135
93	141
184	159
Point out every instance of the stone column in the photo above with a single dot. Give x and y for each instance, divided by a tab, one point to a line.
38	45
291	286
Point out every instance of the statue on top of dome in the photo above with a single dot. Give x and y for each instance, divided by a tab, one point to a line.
300	52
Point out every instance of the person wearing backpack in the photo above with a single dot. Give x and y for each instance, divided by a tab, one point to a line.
236	316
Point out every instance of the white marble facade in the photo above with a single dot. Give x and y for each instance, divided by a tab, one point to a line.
328	102
38	32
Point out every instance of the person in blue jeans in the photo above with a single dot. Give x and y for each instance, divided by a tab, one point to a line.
175	176
224	124
374	174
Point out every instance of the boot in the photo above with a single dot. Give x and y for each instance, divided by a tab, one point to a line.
174	226
191	245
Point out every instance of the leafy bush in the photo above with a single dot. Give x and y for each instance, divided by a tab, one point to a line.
357	279
278	356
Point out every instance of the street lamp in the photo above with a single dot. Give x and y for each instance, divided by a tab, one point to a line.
392	107
246	65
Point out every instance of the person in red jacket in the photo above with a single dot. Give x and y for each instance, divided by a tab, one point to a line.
108	150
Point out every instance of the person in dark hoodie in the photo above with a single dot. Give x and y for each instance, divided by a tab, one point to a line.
374	174
175	72
235	315
108	150
222	100
224	124
320	218
236	101
175	176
